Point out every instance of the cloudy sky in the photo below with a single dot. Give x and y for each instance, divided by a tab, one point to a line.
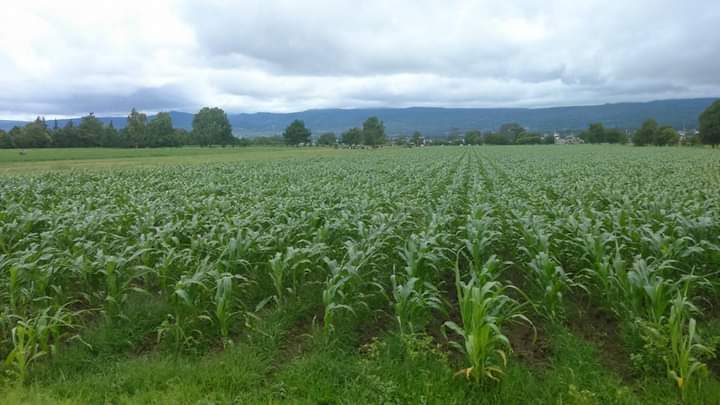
63	58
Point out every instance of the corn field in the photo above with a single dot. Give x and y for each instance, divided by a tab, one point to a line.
458	244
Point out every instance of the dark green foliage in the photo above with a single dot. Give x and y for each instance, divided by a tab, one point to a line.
528	138
33	135
160	131
417	138
473	137
710	125
5	141
373	132
597	133
652	134
646	134
296	133
511	131
666	135
615	135
353	136
328	138
90	131
210	126
134	132
494	138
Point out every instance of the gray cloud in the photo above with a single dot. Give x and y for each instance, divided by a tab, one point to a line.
284	55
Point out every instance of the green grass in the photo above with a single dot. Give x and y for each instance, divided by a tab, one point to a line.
51	159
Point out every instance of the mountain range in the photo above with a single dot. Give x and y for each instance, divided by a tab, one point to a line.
436	121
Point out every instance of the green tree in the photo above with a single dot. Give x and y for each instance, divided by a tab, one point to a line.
160	131
33	135
296	133
594	134
90	131
615	135
110	137
666	135
494	138
5	141
417	138
68	136
211	126
528	138
183	137
353	136
473	137
328	138
373	132
135	129
549	140
646	134
511	131
710	125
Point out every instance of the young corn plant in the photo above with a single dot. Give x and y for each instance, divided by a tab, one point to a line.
683	360
484	309
187	302
675	339
224	302
120	280
285	272
412	302
480	238
550	282
343	288
37	336
25	350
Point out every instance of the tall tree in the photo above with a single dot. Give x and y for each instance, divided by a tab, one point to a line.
211	126
5	141
90	130
160	131
373	132
511	131
68	136
33	135
710	125
296	133
666	135
110	137
135	129
594	134
353	136
646	134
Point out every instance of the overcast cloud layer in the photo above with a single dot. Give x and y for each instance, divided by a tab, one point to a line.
62	58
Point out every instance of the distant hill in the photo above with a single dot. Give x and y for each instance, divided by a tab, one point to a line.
680	113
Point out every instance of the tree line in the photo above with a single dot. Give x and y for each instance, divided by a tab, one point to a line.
372	134
210	126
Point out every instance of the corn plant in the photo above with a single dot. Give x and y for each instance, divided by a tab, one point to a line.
25	350
551	283
225	301
412	303
682	361
674	337
484	309
187	301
